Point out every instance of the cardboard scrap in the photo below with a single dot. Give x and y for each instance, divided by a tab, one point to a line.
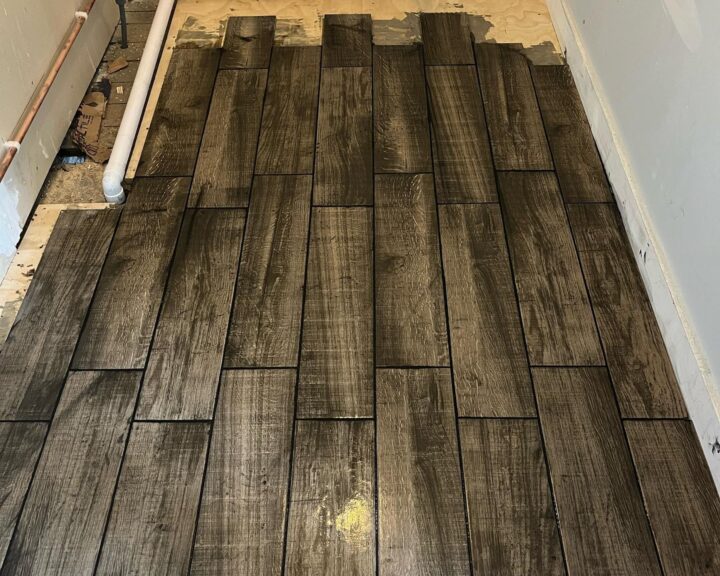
86	132
117	65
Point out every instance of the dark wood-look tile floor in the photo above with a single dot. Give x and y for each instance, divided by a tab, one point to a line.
368	310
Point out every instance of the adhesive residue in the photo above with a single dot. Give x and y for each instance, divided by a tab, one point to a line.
354	523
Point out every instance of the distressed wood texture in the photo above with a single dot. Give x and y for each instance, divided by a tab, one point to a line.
516	128
265	324
242	515
446	38
490	366
224	171
248	42
159	487
347	40
344	161
639	364
420	501
559	324
20	445
287	134
331	528
579	168
186	357
36	355
510	508
62	524
410	304
402	134
681	499
336	363
124	310
173	141
463	162
600	509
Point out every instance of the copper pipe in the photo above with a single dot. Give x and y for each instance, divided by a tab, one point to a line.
41	93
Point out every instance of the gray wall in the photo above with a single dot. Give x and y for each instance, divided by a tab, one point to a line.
657	63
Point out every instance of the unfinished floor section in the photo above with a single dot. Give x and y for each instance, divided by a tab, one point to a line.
369	309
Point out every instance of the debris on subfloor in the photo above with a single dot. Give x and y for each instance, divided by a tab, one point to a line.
117	65
86	131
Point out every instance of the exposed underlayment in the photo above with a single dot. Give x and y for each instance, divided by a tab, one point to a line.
201	23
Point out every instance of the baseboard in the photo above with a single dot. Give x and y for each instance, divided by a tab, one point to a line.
698	388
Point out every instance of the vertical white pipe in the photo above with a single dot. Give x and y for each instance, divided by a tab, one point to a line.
115	169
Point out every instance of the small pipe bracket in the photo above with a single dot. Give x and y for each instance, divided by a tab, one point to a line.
81	14
12	144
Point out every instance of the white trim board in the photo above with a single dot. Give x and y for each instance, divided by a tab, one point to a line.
696	381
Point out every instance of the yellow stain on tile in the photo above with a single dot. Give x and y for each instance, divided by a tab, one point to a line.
354	523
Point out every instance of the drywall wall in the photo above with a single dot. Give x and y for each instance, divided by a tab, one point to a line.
647	72
32	32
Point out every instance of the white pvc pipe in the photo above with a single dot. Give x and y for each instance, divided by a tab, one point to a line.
117	165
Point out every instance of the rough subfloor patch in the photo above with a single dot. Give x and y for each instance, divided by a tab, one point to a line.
70	184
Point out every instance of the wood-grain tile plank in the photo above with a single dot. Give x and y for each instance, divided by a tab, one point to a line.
265	325
446	39
224	171
336	361
331	527
420	501
600	510
639	364
516	128
242	515
173	141
510	508
559	324
347	40
61	526
402	133
124	310
463	161
287	133
410	303
36	355
490	366
680	496
183	370
248	42
20	445
344	159
152	521
579	168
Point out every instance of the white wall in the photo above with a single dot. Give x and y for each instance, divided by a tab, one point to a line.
649	75
31	32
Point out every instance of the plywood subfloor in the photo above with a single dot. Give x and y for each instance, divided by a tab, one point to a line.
430	371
